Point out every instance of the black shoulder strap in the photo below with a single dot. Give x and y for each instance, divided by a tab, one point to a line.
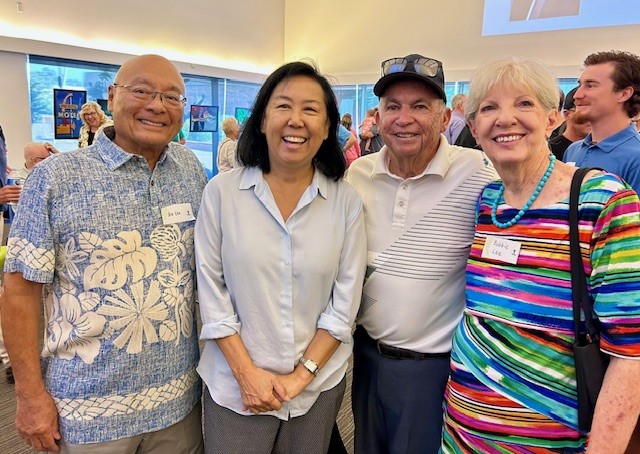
580	295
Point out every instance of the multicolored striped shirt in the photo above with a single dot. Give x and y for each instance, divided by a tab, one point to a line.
513	376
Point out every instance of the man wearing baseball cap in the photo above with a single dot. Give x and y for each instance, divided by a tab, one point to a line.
419	196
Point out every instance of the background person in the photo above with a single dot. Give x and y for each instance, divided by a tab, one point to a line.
417	191
227	148
93	120
281	251
108	230
345	138
512	385
576	128
34	153
370	139
352	153
457	118
608	97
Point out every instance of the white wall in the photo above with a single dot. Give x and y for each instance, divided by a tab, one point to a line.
15	115
349	39
243	35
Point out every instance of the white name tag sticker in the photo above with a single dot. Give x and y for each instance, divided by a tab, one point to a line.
180	212
500	249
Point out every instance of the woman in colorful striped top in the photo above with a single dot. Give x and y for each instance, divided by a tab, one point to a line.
512	386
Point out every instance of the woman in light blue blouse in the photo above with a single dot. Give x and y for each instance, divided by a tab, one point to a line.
281	253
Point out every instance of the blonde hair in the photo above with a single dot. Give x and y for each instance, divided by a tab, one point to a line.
517	72
95	106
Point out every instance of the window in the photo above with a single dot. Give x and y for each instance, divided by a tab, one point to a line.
45	74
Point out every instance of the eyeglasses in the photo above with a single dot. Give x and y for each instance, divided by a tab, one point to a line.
145	94
425	66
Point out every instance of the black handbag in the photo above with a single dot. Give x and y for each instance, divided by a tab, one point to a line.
591	363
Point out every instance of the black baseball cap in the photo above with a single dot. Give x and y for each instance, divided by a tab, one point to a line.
417	67
568	100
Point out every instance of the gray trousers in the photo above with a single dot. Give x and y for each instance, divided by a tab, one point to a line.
227	432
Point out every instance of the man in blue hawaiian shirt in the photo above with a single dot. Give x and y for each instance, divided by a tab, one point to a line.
107	232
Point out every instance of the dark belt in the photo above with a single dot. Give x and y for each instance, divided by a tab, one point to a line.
396	352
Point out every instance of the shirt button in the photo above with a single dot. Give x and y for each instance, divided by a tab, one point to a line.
404	186
153	183
401	203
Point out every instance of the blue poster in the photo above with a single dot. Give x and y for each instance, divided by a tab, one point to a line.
66	111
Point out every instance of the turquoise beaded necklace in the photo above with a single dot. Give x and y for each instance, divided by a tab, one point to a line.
523	210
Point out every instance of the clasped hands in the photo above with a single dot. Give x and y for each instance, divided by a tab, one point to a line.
264	391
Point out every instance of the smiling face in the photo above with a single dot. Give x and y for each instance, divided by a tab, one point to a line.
512	126
410	120
145	127
295	123
596	98
92	119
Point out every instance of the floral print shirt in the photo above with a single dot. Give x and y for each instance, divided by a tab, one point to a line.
113	242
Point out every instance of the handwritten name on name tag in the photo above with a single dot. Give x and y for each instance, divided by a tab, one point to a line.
179	212
500	249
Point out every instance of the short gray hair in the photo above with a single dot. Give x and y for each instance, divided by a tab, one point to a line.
516	72
229	125
457	100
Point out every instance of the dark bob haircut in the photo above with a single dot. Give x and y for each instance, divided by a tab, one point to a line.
252	145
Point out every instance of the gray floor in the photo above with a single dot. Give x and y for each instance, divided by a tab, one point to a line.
9	441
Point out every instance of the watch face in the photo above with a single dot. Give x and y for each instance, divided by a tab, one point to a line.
310	365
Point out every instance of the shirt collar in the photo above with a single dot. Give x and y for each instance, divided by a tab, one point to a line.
439	164
610	143
252	177
114	156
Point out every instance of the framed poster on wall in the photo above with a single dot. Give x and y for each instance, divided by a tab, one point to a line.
66	112
204	119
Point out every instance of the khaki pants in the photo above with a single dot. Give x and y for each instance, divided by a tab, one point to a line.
184	437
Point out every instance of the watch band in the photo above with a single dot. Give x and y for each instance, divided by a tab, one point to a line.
310	365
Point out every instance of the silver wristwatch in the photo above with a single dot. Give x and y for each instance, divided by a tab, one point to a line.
310	365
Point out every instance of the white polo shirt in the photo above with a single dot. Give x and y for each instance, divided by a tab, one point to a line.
419	232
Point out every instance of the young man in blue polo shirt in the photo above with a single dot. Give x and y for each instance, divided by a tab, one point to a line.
608	97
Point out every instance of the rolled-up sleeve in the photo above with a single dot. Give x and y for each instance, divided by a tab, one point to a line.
219	318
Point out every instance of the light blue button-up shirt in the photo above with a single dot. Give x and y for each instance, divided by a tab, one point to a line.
276	282
121	344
